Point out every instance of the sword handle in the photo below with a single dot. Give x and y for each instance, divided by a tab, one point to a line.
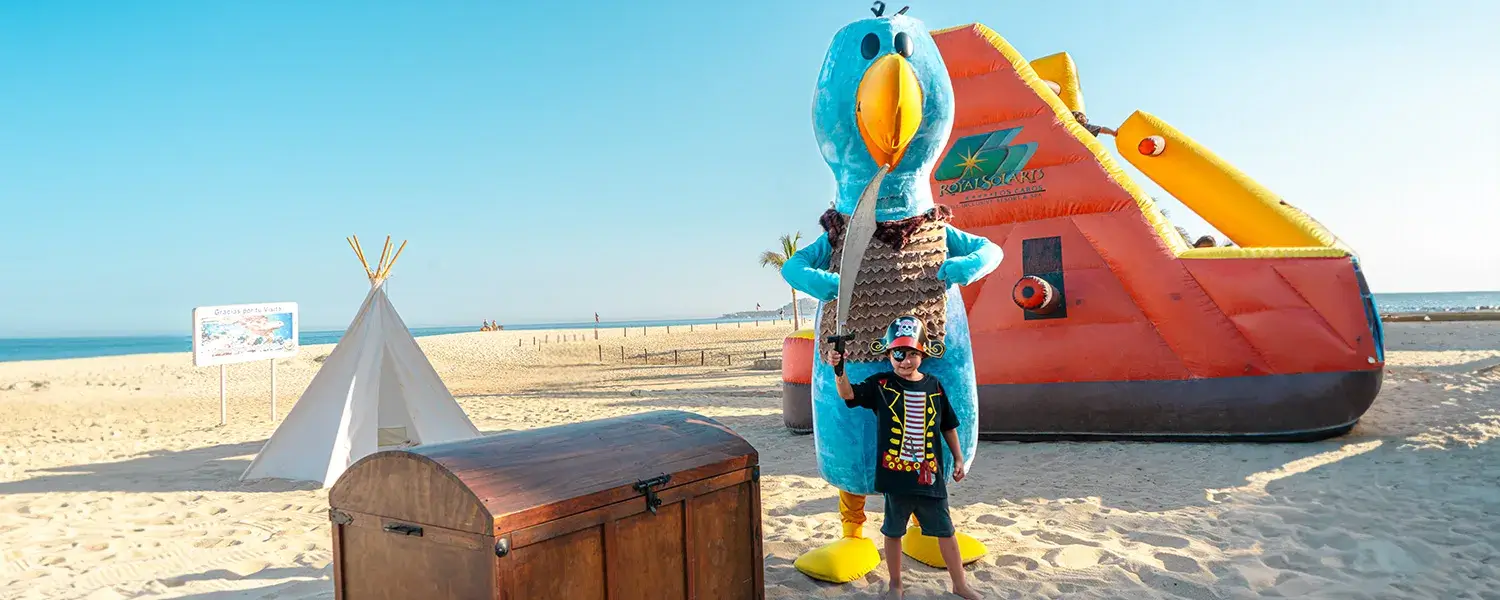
838	346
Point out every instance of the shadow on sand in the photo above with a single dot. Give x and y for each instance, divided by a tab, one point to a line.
211	468
208	469
319	588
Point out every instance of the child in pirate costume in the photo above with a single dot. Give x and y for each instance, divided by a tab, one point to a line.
912	414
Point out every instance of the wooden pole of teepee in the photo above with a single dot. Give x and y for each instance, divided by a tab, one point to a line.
354	243
385	252
387	272
387	261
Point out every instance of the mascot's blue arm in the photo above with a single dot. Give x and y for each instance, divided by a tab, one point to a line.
971	257
807	271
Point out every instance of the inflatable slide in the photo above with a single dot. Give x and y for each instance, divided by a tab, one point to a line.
1102	322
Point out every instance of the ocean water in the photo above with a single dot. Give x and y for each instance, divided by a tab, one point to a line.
1437	302
84	347
17	349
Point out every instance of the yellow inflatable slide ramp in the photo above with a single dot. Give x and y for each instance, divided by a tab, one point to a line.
1251	215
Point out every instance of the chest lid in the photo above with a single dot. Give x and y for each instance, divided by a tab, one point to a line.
500	483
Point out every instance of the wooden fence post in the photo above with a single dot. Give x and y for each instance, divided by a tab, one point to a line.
601	353
674	357
702	357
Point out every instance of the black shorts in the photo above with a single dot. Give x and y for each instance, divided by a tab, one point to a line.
932	515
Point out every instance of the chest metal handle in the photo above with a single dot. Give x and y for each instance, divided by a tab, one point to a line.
645	486
404	529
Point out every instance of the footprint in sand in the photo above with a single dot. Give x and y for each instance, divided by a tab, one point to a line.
1336	539
1061	539
1178	563
1012	560
1172	585
246	568
1157	539
1074	557
995	520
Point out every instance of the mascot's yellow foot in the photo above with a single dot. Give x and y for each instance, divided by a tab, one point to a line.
925	549
843	561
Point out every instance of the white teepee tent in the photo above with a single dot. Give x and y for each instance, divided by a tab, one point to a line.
375	391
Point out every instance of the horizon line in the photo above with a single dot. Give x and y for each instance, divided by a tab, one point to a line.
345	327
342	328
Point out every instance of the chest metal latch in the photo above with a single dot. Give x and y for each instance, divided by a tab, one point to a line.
404	529
645	486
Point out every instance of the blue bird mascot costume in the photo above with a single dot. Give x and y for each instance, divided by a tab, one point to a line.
884	100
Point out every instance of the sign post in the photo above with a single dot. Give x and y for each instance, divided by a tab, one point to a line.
225	335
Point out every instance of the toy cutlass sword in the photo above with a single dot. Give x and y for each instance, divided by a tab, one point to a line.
861	228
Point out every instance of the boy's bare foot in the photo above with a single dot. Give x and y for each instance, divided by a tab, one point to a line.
894	593
965	592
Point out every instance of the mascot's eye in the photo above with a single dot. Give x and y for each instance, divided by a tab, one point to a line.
870	46
904	44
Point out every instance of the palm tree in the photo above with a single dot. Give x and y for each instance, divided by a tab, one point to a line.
773	258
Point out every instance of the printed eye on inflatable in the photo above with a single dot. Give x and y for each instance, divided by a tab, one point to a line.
1102	322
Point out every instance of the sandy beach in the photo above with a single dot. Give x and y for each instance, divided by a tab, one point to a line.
116	480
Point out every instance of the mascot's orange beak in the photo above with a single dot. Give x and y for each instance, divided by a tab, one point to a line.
888	108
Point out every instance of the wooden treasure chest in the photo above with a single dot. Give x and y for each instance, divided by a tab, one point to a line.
654	506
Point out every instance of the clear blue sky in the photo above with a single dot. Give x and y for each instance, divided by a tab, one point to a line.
548	160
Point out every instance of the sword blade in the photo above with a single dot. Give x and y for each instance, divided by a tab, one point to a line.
861	228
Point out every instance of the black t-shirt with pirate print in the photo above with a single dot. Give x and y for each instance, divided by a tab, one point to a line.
910	418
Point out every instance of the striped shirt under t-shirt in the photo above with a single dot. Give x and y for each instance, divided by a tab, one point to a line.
910	418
